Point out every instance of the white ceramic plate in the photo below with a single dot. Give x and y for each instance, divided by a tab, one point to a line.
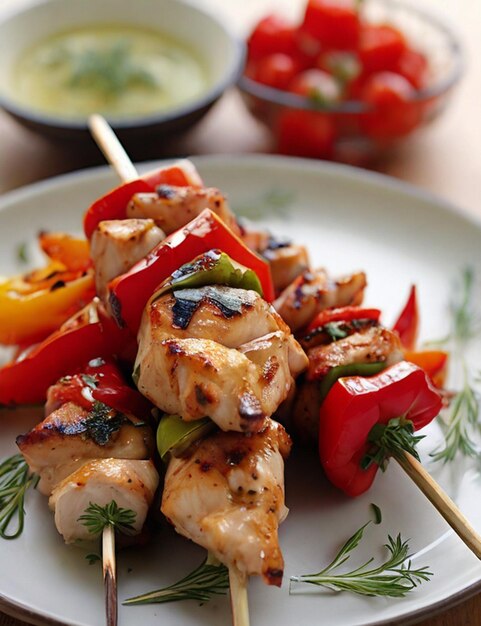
349	219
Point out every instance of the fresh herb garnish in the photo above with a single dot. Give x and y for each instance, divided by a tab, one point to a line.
102	422
393	578
93	558
209	579
275	201
22	253
459	424
377	513
110	71
96	518
465	322
335	330
387	439
15	480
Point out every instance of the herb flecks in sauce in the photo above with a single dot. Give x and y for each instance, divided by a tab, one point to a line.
116	70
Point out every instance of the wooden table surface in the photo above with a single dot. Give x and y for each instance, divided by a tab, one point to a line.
444	158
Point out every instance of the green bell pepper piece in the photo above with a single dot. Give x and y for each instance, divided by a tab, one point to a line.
352	369
174	435
211	268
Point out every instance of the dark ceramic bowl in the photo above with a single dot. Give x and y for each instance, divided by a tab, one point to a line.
220	51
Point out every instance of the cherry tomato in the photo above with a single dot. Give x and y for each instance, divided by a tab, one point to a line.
317	85
306	133
272	34
395	113
380	47
276	70
344	66
335	23
414	66
308	48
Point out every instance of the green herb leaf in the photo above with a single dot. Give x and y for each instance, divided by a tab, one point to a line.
211	578
22	253
460	424
394	578
387	439
102	422
93	558
110	71
335	330
377	513
96	518
465	321
15	480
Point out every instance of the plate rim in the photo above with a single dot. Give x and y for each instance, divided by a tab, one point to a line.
377	179
19	610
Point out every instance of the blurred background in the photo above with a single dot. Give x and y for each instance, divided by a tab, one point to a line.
443	157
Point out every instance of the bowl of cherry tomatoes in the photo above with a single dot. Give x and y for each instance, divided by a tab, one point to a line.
350	79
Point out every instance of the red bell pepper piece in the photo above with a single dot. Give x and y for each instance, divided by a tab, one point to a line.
130	292
89	334
433	362
113	205
99	381
343	314
407	325
354	405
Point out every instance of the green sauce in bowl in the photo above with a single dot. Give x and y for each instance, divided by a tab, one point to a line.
120	71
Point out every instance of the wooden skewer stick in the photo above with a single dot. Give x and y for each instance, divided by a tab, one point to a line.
115	154
110	575
238	597
112	149
440	500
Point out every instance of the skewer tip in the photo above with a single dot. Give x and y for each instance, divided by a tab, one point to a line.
110	577
238	597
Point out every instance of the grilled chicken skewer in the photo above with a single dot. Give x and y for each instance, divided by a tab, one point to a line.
117	157
233	359
236	366
88	454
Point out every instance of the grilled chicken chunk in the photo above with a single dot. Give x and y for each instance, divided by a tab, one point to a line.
173	207
369	345
227	495
70	436
216	351
313	292
375	344
117	245
287	262
131	484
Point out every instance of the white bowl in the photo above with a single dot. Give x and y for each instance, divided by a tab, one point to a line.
220	51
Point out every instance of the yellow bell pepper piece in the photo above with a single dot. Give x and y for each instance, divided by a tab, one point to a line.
33	306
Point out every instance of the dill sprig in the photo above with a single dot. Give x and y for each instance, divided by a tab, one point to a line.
97	517
387	439
210	578
460	424
465	321
461	420
393	578
110	71
15	480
